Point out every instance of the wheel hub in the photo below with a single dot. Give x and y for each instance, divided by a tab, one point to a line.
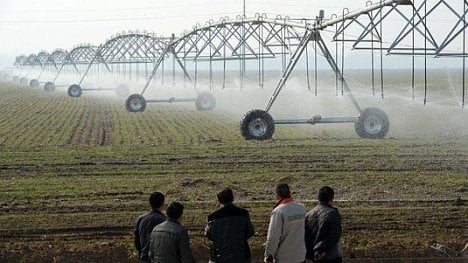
373	125
136	104
258	127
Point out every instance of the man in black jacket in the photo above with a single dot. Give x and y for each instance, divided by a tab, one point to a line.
323	230
229	228
145	224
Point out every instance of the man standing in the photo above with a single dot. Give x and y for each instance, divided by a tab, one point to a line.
169	241
229	228
285	240
145	224
323	230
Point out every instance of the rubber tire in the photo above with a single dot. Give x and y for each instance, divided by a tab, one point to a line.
24	81
75	91
372	123
130	103
248	122
205	102
34	83
122	91
6	77
16	79
49	87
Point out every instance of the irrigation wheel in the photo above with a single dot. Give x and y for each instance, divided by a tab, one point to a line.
74	91
205	102
135	103
372	123
257	125
24	81
34	83
49	87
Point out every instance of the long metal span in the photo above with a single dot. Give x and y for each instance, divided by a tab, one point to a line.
126	51
240	39
364	11
131	47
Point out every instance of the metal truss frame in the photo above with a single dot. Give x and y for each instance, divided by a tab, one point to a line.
260	38
57	58
241	39
126	49
80	55
417	16
20	60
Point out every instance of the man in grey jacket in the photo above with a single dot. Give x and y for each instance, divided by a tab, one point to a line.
285	240
323	230
145	224
169	242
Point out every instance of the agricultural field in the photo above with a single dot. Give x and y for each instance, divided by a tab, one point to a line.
75	173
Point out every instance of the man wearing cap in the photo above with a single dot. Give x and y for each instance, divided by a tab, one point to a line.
285	240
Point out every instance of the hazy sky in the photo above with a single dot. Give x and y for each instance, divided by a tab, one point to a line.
28	26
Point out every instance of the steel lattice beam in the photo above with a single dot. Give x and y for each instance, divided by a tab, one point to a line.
421	23
20	60
131	48
245	38
82	54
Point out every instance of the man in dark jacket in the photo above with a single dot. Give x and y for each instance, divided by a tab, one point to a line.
169	241
323	230
229	228
145	224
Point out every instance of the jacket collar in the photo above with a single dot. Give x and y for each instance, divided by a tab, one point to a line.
156	211
173	220
327	205
284	201
227	204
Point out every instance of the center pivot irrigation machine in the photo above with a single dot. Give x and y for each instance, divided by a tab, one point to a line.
415	18
259	38
418	28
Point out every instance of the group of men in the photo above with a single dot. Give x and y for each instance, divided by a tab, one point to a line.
294	235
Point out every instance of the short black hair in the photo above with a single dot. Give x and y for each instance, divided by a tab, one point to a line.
282	190
326	194
156	200
174	210
225	196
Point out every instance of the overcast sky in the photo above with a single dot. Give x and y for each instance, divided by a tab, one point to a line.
29	26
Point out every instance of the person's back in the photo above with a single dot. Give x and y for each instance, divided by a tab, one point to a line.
169	240
145	224
323	230
229	228
285	241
